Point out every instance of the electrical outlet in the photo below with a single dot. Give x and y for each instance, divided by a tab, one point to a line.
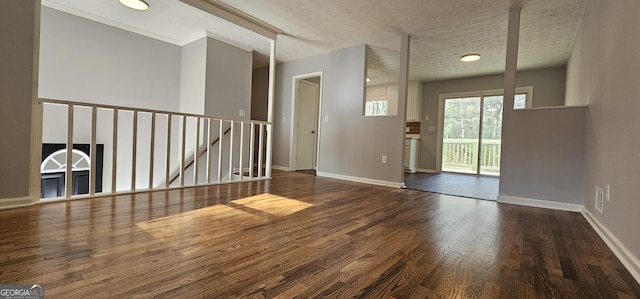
599	199
607	194
384	159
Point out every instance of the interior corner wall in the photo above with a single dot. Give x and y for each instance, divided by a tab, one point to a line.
350	144
18	71
606	70
228	80
260	94
193	76
543	155
548	90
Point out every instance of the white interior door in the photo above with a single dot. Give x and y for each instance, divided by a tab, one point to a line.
307	98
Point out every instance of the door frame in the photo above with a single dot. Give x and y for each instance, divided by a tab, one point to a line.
293	131
479	93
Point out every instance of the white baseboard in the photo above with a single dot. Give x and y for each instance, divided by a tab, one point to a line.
283	168
427	170
10	203
359	180
539	203
630	262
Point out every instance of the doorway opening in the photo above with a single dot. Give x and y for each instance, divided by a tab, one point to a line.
305	127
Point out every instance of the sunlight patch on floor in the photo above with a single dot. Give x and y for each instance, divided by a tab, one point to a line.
273	204
240	212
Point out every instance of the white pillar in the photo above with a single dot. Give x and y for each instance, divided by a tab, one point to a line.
272	78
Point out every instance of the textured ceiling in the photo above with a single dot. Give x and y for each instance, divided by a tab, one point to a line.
441	30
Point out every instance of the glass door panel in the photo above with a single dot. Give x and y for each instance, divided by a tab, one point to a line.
491	135
461	133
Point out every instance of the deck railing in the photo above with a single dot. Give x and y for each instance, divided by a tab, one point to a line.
147	149
462	155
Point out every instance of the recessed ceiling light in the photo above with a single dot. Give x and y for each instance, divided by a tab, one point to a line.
368	79
470	57
135	4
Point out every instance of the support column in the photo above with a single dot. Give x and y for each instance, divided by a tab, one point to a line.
272	79
19	53
510	70
403	82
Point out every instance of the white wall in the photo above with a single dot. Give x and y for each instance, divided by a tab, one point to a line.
605	70
18	73
350	144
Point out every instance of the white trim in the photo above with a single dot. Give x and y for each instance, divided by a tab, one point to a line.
539	203
292	131
281	168
360	180
427	170
630	262
10	203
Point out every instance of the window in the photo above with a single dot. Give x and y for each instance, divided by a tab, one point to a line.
376	108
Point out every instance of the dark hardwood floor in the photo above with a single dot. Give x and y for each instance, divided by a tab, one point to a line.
304	236
481	187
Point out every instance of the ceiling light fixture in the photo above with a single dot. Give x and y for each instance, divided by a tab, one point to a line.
368	79
469	57
135	4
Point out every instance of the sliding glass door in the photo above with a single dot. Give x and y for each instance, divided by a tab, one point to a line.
472	131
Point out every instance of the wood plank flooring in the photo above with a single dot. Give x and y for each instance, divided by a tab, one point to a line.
481	187
303	236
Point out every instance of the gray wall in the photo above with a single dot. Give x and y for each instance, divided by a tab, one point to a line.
548	90
260	94
18	71
544	159
606	72
86	61
228	80
350	144
82	60
193	76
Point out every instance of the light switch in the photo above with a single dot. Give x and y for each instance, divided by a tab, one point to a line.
284	119
326	118
431	128
242	112
426	117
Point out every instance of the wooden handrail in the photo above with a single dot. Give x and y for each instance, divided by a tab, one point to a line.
173	179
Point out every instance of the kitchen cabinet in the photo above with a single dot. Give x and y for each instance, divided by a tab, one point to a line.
414	100
389	93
